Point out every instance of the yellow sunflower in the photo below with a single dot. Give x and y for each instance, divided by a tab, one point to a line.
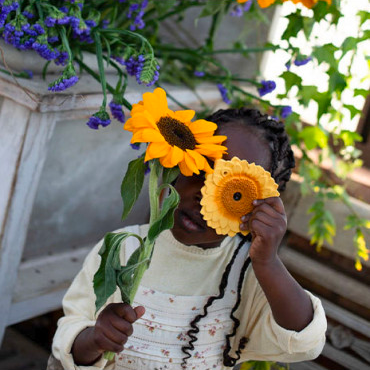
261	3
228	193
172	136
267	3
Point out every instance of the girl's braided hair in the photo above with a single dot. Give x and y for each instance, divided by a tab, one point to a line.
282	162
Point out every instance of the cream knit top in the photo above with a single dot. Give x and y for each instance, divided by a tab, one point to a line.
174	289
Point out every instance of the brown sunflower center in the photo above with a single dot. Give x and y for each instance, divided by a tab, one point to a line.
176	133
237	195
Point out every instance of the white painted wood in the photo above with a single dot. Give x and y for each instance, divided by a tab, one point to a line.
39	276
320	274
13	123
343	358
39	131
36	306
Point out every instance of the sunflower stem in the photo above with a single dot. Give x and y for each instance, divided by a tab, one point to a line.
155	168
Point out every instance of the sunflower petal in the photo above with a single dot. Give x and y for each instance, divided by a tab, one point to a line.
185	170
146	136
156	103
177	155
184	116
156	150
217	139
190	162
201	126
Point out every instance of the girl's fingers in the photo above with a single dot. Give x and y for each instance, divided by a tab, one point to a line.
123	326
140	311
260	228
274	202
115	335
106	344
263	217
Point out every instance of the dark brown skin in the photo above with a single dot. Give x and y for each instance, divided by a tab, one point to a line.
290	305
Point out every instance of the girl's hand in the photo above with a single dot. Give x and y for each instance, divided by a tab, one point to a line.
114	326
267	224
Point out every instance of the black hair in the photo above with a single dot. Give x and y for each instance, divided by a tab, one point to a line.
282	162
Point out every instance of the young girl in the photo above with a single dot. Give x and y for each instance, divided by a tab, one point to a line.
207	301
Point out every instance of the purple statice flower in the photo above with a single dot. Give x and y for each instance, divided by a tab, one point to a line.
6	7
17	35
38	29
247	5
199	73
237	11
117	112
53	39
27	14
29	73
288	65
224	93
90	23
99	118
135	146
60	21
104	23
267	87
42	47
286	111
62	83
64	9
62	59
302	62
118	59
135	65
136	12
275	118
147	168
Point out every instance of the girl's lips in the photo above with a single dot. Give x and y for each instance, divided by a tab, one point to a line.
189	223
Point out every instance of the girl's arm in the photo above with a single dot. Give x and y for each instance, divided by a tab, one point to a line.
290	304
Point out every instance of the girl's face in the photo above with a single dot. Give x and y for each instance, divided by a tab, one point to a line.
189	227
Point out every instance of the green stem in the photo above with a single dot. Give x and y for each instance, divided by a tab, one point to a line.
97	77
241	51
175	100
155	167
63	36
99	57
251	95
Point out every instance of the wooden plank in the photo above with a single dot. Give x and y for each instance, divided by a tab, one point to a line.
337	283
36	306
343	358
39	276
13	124
39	131
306	365
18	94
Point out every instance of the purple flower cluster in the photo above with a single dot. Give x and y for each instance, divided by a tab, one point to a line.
199	73
148	75
99	118
135	146
6	6
267	87
117	112
63	83
135	65
239	10
224	93
136	12
286	111
302	62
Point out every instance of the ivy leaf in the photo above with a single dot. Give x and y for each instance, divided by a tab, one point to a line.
308	24
361	92
350	43
294	26
314	136
325	53
132	184
291	79
307	93
324	102
337	82
163	6
349	137
353	110
166	216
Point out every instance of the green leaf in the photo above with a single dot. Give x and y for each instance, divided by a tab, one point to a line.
170	174
212	7
105	277
350	43
132	184
294	26
291	79
320	10
306	94
361	92
324	102
308	24
314	136
325	53
349	137
353	110
337	81
163	7
166	216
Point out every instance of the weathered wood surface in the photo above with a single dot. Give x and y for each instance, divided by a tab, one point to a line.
13	124
40	128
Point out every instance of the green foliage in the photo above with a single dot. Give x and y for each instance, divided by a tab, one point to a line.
132	184
313	137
